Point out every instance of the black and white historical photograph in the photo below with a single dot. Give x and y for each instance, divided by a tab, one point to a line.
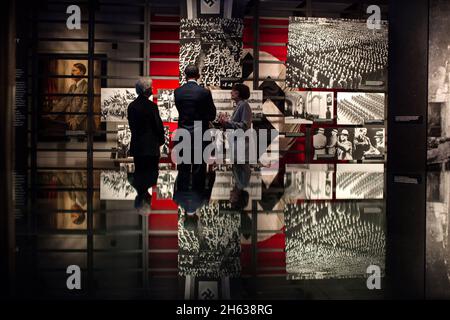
308	182
226	180
359	181
308	106
214	45
330	240
209	246
336	54
114	103
165	148
358	108
114	185
123	141
438	85
225	106
437	235
165	184
324	143
367	143
166	105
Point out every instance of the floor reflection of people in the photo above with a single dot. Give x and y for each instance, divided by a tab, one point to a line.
239	197
147	135
190	200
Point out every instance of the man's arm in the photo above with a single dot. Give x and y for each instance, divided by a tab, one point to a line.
210	107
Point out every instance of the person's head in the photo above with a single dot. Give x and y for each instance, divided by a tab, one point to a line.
240	91
144	86
78	70
379	136
343	136
192	72
363	132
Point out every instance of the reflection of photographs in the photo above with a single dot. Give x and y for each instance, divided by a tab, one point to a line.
215	45
164	149
67	96
225	180
114	185
313	181
123	141
359	107
165	184
72	199
210	247
437	236
115	103
166	105
336	53
326	240
359	181
308	106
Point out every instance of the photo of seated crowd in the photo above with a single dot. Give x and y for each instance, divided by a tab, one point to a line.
214	45
359	108
334	239
336	54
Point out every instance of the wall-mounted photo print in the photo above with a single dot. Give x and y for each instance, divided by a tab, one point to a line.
336	54
225	106
359	181
214	44
360	107
115	103
308	106
166	105
64	97
311	182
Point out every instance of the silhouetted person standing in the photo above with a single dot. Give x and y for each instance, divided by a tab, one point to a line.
194	103
147	135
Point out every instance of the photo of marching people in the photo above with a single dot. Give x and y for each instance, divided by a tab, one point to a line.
115	102
336	54
349	143
215	45
360	107
308	106
359	181
166	105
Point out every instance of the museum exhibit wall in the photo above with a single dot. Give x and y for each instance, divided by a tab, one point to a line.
334	195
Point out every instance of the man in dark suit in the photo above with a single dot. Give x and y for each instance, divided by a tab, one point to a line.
194	103
147	135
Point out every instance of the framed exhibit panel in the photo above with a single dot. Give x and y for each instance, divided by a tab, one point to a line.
359	108
114	103
360	181
63	95
306	107
336	54
438	155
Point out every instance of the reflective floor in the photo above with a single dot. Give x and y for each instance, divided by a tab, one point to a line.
294	232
